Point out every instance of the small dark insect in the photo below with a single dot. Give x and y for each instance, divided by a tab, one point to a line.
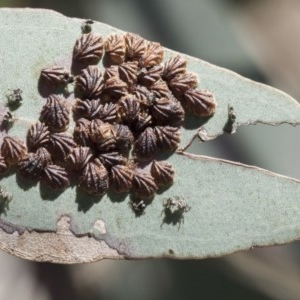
124	138
8	120
14	98
13	150
183	82
147	77
82	132
44	156
129	109
143	185
79	158
30	167
162	172
56	76
201	103
168	137
62	145
115	87
88	48
37	136
55	177
111	159
86	26
135	46
90	82
55	113
160	89
94	179
115	48
153	55
176	65
167	112
128	71
145	145
138	207
3	166
230	126
178	204
121	178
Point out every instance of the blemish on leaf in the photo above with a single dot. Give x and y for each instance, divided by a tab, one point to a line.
99	225
63	225
171	252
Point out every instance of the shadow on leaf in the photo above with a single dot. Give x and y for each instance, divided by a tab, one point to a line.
84	200
107	62
45	90
10	172
48	193
162	189
194	122
116	197
25	184
78	66
172	217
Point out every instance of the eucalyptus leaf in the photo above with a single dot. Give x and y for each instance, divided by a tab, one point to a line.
232	206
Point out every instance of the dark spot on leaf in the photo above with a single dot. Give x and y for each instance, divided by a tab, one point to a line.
171	252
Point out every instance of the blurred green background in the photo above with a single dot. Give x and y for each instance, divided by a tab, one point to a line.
258	39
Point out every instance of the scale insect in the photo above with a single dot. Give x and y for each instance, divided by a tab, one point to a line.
125	115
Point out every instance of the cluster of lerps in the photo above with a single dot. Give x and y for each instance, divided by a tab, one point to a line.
125	115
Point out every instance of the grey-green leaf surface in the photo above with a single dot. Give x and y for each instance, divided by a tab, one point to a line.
233	206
